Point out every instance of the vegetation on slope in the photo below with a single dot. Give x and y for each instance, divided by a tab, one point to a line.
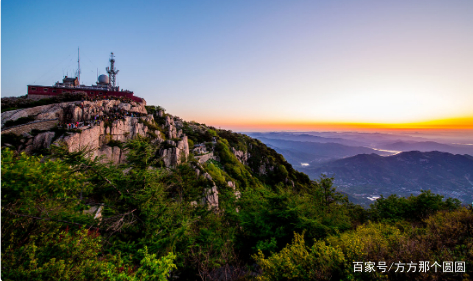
70	217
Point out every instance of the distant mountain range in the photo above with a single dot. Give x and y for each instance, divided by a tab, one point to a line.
305	137
310	148
368	175
366	165
429	146
314	153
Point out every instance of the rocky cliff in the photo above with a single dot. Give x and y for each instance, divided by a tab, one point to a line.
223	162
73	111
98	126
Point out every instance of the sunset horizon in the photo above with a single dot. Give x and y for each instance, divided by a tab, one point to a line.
460	125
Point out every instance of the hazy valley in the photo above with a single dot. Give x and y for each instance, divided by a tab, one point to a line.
367	165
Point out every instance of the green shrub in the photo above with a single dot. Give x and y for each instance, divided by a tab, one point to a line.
216	174
300	262
190	143
11	139
413	208
113	143
152	134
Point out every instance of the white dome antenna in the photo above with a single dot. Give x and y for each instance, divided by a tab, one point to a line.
103	79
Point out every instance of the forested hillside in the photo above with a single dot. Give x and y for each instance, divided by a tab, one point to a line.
233	209
406	173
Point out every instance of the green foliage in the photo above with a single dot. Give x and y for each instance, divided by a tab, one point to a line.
447	236
151	109
108	123
151	125
300	262
413	208
141	153
268	215
161	121
36	201
212	133
238	141
55	255
368	241
451	235
216	174
30	179
113	143
282	171
191	144
233	167
63	255
215	163
153	268
212	245
196	132
11	139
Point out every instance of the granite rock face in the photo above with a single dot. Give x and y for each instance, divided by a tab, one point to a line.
132	121
75	111
112	154
171	128
242	156
211	197
264	168
50	111
42	140
204	158
210	194
97	137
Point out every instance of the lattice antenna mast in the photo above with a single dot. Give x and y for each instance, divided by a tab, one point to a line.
112	71
78	65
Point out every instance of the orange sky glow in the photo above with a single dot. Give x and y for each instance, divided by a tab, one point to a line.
462	123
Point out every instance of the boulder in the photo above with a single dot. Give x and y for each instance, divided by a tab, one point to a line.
43	140
211	197
242	156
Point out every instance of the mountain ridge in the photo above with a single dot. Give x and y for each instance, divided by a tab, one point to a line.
209	214
404	174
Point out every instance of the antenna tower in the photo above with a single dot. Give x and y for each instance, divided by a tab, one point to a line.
78	65
112	71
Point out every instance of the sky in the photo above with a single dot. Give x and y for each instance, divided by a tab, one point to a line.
258	65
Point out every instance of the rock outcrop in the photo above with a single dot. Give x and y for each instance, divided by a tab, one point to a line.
171	128
204	158
211	194
41	140
107	120
113	154
242	156
75	111
264	168
95	211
